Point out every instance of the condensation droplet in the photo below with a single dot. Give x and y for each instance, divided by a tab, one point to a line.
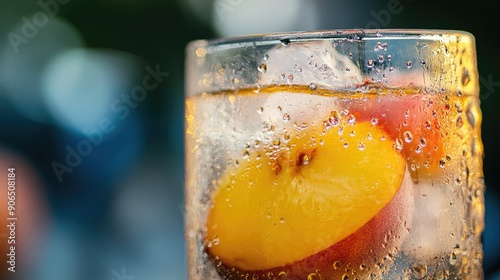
389	57
290	78
374	121
361	146
460	122
423	142
408	64
369	63
345	276
408	136
351	119
286	137
276	143
418	149
312	86
442	163
346	144
362	267
269	216
245	154
380	58
336	265
399	144
422	62
282	220
216	240
262	68
286	117
391	69
266	57
260	110
428	125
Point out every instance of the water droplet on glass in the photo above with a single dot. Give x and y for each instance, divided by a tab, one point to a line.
350	55
351	119
428	125
289	78
286	137
408	64
262	68
269	216
422	62
374	121
418	149
370	63
266	57
391	69
442	163
286	117
282	220
276	143
399	144
380	58
312	86
460	122
346	145
336	265
245	154
408	136
407	114
216	240
345	276
389	57
361	146
423	142
260	110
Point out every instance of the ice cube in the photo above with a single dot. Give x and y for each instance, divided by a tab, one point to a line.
305	63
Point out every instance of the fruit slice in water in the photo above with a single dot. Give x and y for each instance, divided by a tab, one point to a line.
319	198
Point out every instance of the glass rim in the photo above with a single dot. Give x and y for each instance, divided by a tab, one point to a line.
342	34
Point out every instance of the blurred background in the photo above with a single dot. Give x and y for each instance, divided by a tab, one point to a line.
98	149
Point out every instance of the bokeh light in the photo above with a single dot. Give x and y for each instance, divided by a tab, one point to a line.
79	85
22	64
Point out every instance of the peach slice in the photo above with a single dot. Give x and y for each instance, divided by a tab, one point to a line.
412	119
326	202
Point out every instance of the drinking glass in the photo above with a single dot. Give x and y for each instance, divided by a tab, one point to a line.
344	154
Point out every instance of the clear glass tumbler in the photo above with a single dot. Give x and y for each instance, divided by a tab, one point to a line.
346	154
